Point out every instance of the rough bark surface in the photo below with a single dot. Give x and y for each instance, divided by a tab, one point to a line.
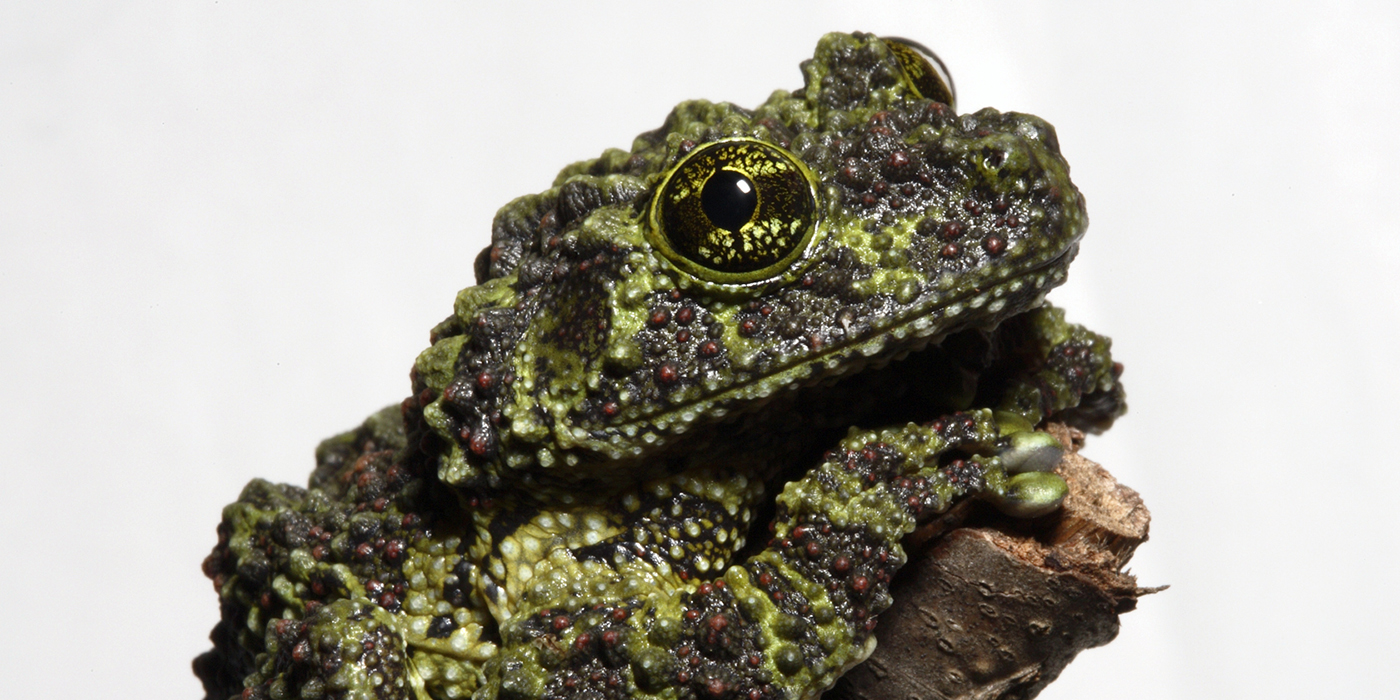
994	608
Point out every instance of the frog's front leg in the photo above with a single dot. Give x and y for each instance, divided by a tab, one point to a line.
1063	372
788	621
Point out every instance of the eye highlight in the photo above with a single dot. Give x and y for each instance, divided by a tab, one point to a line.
736	212
926	73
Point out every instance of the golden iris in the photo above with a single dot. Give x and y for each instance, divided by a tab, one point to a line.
737	211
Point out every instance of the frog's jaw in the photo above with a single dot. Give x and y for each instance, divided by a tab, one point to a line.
525	443
878	345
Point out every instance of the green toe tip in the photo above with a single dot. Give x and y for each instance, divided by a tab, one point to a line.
1031	495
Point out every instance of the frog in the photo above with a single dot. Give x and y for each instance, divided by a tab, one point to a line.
670	443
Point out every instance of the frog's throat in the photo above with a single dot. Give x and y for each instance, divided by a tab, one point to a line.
928	321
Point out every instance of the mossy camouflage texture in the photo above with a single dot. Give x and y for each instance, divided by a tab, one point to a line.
620	476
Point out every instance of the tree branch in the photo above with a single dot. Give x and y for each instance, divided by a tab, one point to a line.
990	607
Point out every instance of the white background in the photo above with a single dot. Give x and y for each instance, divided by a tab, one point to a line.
227	228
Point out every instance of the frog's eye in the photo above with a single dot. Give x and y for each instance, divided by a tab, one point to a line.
735	212
926	73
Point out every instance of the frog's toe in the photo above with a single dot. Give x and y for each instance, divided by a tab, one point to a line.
1030	451
1030	494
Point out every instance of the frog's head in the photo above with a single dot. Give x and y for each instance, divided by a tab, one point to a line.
732	254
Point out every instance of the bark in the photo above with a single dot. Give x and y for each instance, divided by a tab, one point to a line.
990	607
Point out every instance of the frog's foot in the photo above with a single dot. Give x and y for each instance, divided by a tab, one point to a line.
1028	457
1070	377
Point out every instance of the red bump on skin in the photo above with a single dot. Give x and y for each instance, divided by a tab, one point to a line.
950	250
480	443
898	159
994	245
667	373
716	687
393	550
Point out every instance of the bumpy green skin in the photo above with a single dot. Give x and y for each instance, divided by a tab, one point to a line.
564	506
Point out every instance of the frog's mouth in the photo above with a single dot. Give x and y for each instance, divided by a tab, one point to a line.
918	331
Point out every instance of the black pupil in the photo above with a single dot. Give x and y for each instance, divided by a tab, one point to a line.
729	199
